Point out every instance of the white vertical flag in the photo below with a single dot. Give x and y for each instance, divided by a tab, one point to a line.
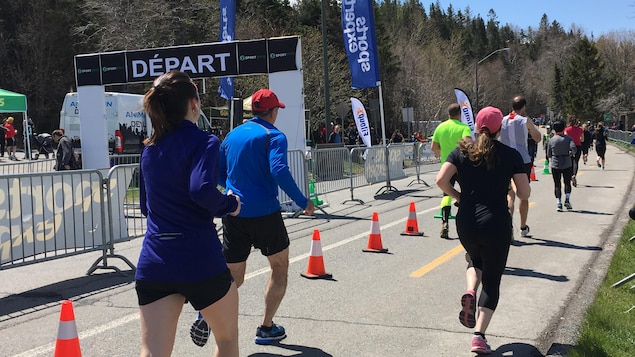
361	120
466	109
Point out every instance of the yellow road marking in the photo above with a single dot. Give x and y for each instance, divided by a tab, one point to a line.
443	258
435	263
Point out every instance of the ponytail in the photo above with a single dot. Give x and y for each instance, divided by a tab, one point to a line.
481	151
166	103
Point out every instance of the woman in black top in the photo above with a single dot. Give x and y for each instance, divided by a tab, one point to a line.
600	134
484	169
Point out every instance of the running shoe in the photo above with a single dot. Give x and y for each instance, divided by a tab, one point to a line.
524	232
479	345
265	337
467	316
599	165
199	332
559	207
567	204
445	231
574	182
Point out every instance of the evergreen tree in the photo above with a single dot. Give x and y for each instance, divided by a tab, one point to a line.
585	81
557	90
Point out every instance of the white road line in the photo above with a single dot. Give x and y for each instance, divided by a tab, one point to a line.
47	349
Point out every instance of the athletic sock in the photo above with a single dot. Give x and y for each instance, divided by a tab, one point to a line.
479	334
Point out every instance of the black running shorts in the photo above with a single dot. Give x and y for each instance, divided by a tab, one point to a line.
266	233
200	294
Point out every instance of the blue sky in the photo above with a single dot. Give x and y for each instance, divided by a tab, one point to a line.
594	16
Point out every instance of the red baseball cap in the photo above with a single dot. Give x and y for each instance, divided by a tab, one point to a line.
490	118
264	100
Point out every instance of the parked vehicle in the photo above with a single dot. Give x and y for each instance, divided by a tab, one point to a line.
126	121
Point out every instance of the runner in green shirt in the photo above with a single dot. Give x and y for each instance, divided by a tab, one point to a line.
445	138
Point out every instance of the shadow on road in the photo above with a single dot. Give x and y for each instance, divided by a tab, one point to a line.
516	349
553	243
34	300
302	351
534	274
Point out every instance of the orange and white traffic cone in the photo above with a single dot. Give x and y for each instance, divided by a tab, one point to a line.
412	227
315	269
532	175
67	343
374	238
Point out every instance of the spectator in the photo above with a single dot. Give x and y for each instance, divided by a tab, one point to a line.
396	137
3	129
336	135
9	136
65	156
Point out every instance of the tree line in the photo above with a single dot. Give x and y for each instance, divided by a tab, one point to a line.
424	53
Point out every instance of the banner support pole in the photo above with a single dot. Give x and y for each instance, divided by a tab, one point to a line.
388	187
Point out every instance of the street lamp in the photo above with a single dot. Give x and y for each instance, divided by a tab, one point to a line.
476	72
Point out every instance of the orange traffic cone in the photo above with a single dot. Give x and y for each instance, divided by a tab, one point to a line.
67	343
412	227
315	269
374	238
532	175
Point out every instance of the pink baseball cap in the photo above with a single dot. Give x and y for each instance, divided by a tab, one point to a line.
490	118
265	99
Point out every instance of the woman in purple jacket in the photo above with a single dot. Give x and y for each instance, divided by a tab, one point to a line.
181	258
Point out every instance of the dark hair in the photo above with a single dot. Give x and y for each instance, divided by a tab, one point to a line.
57	132
518	103
558	126
264	114
454	110
481	151
166	103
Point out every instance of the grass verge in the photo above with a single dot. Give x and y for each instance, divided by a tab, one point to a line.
608	328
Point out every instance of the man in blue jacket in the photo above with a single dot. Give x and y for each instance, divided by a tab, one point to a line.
253	163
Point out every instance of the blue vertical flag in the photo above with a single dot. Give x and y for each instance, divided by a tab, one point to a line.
227	28
358	27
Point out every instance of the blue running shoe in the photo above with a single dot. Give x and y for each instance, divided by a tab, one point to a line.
266	336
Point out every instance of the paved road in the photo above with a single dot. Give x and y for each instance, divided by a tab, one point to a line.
404	303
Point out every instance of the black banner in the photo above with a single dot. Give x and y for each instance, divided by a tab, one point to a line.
252	57
281	53
113	68
220	59
200	61
87	71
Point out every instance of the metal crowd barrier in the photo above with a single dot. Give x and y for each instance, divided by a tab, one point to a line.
622	136
49	215
27	166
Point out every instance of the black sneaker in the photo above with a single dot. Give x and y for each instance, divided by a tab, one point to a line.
266	336
199	332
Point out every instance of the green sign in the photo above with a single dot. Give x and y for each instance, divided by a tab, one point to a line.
607	116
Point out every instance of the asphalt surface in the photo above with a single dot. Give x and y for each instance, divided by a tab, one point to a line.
402	303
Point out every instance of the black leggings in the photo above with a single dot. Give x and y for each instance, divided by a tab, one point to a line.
576	159
564	173
486	237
